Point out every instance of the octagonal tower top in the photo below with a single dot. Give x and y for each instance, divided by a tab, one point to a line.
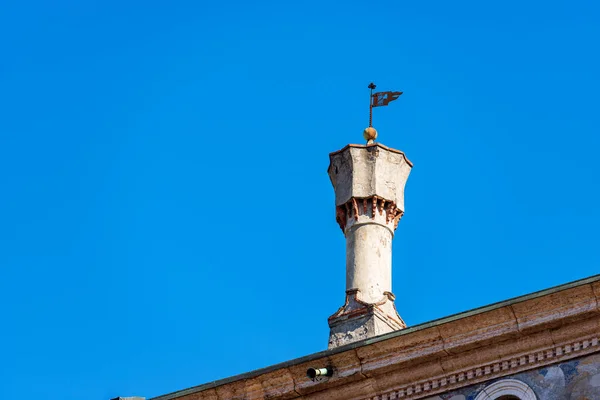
363	171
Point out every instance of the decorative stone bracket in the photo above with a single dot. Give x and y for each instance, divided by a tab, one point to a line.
367	207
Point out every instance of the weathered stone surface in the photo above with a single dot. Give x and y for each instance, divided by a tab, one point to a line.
587	327
369	186
362	389
234	391
596	290
346	365
369	244
420	346
541	312
278	384
366	171
492	326
491	354
359	319
210	394
346	369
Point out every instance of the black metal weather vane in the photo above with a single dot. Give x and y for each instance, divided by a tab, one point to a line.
378	99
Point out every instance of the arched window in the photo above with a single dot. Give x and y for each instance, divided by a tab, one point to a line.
507	389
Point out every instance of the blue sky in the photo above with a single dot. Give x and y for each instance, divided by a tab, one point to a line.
165	214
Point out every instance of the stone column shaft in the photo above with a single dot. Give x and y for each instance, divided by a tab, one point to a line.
369	244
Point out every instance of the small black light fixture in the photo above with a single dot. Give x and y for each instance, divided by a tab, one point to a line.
316	373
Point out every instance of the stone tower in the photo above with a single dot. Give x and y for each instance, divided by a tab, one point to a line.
369	185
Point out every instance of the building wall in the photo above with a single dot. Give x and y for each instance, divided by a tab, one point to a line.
577	379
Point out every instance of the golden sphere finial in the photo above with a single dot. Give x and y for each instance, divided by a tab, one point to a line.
370	134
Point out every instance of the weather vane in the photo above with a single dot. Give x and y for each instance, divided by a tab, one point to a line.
377	100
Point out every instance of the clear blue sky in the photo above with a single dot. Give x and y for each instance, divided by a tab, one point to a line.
165	214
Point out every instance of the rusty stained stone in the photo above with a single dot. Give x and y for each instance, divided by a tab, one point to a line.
373	206
388	211
355	208
351	209
340	216
397	219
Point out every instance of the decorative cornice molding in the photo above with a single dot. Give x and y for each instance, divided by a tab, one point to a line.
486	371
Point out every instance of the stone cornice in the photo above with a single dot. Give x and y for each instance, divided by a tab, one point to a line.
494	341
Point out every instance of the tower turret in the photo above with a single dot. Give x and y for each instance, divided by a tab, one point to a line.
369	185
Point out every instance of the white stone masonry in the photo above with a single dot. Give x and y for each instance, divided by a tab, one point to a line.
369	195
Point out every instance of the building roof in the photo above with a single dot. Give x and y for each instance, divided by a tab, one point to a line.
537	313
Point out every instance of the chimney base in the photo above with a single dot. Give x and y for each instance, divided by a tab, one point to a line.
358	320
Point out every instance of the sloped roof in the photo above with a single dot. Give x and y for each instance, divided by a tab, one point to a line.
565	303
